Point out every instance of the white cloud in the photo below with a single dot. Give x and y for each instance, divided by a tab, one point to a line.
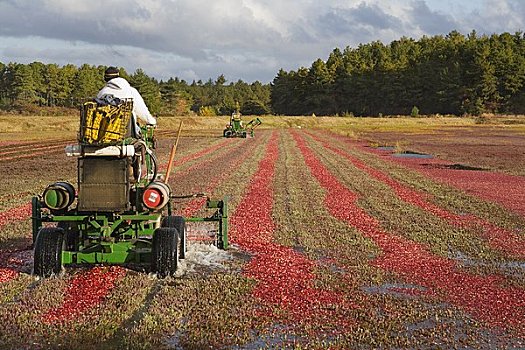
247	39
500	15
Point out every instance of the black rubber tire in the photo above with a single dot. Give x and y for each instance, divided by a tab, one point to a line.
48	251
178	223
228	133
70	236
243	134
164	251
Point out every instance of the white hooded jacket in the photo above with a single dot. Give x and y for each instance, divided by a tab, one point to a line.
120	88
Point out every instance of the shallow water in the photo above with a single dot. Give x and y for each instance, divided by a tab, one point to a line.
412	155
202	255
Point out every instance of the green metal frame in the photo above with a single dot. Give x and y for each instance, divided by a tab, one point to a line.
102	237
221	217
252	125
238	130
118	238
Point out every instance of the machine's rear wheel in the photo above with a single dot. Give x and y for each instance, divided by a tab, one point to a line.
178	223
227	133
70	235
164	251
243	134
48	251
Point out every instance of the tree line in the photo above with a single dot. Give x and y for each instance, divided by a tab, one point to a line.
49	85
452	74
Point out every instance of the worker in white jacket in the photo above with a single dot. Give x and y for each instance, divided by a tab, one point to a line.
117	87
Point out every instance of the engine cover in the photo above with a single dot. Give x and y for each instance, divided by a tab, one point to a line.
103	184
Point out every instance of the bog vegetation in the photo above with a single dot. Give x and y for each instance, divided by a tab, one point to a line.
335	244
452	74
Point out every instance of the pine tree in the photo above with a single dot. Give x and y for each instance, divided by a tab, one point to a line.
23	85
148	88
86	83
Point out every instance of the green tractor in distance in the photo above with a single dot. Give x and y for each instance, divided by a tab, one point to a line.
122	211
237	129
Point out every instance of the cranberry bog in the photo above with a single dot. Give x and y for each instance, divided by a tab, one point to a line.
340	239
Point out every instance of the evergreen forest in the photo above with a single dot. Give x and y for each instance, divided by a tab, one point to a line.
453	74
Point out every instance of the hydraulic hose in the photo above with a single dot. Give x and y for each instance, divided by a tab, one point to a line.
153	163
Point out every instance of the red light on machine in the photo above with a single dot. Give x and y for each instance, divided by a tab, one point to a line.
156	195
152	198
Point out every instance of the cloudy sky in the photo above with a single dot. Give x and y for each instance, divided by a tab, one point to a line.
242	39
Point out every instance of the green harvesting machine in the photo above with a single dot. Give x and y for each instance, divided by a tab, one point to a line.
122	210
236	128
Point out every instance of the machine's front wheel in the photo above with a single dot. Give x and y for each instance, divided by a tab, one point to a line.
48	251
179	223
164	251
228	133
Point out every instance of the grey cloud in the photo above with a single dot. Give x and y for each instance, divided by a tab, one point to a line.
248	39
160	65
179	27
503	15
34	18
374	16
364	17
431	22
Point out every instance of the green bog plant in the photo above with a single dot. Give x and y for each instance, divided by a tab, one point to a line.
415	112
